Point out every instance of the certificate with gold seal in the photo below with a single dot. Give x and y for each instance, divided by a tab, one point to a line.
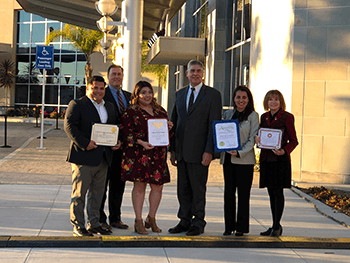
158	133
226	135
270	138
105	134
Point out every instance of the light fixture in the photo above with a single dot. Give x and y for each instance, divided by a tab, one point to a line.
106	7
103	25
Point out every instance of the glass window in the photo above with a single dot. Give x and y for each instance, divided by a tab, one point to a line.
68	48
38	33
23	33
51	94
21	94
53	26
37	18
67	94
32	30
23	16
68	65
81	68
35	94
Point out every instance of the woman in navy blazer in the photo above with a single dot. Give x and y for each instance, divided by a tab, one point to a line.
275	165
239	165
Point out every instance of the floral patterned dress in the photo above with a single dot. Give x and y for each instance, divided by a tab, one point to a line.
138	164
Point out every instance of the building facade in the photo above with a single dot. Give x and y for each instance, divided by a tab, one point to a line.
301	49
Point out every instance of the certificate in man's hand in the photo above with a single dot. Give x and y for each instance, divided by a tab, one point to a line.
105	134
226	135
158	133
270	138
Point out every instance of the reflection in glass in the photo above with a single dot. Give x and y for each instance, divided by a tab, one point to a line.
51	94
37	18
67	62
67	94
21	94
68	67
23	16
53	26
23	48
38	33
81	68
35	94
68	48
24	33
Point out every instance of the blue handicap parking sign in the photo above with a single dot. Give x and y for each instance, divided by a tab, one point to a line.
44	57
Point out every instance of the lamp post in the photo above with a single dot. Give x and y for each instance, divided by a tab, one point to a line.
106	8
131	27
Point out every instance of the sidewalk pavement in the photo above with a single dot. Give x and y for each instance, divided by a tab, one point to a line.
34	223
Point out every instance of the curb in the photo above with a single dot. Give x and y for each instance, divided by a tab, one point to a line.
324	209
176	242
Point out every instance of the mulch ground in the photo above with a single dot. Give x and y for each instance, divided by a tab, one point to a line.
338	199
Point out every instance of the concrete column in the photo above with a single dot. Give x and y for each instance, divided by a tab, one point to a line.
133	43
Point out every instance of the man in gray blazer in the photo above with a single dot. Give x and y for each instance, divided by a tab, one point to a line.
89	161
192	147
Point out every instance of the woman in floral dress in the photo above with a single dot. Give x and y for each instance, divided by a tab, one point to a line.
143	163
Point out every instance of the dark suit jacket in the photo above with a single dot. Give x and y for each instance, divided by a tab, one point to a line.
80	116
109	97
194	130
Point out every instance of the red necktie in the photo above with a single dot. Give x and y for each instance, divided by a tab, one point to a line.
121	103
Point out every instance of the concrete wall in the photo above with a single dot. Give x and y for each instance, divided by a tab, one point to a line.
271	50
8	21
321	89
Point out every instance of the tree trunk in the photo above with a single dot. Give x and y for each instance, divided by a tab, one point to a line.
88	70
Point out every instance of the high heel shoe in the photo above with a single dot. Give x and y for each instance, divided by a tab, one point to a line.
277	232
267	232
140	228
150	222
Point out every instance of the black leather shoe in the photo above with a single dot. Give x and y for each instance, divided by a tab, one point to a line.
277	232
177	229
99	230
238	234
81	232
194	231
227	233
267	232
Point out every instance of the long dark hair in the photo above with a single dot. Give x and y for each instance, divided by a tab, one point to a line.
250	106
136	93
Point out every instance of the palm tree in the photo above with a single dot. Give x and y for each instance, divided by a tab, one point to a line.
85	40
6	76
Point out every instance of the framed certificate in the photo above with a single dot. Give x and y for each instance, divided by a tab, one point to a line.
158	133
226	135
105	134
270	138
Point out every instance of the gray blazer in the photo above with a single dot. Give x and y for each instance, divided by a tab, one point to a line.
193	130
247	131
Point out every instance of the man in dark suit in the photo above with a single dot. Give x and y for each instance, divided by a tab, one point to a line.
89	161
120	99
192	147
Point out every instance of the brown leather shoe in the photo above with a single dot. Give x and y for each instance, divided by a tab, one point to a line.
105	226
119	224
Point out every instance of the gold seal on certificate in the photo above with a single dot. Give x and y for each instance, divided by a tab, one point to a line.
226	135
270	138
105	134
158	134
